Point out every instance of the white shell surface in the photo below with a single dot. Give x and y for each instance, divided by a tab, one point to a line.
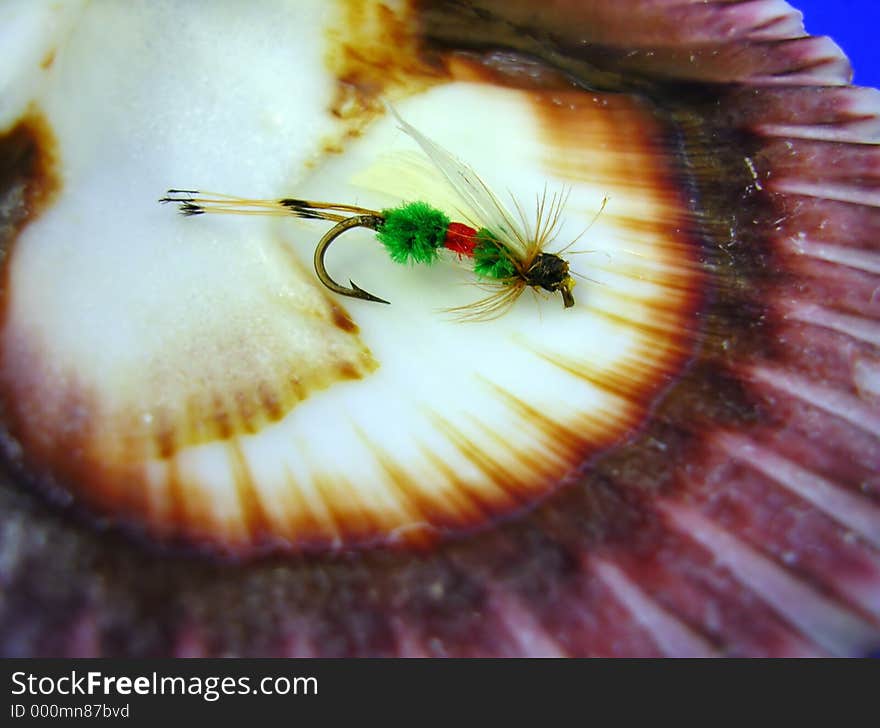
191	376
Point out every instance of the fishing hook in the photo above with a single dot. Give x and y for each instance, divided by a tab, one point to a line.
372	222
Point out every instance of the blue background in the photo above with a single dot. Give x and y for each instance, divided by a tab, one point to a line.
855	26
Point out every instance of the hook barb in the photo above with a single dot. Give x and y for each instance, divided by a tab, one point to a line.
371	222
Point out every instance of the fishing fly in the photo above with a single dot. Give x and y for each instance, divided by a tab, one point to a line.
506	252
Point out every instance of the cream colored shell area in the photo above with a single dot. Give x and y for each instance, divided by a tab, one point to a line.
191	377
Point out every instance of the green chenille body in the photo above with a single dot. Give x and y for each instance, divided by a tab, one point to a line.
491	260
415	233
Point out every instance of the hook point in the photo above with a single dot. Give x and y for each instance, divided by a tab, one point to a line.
361	293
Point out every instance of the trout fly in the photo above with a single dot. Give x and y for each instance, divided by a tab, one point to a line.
506	251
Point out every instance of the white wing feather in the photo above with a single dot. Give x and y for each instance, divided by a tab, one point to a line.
474	193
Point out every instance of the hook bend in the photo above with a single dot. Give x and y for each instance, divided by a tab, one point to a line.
372	222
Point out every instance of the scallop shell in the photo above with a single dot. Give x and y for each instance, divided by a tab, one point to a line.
684	464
